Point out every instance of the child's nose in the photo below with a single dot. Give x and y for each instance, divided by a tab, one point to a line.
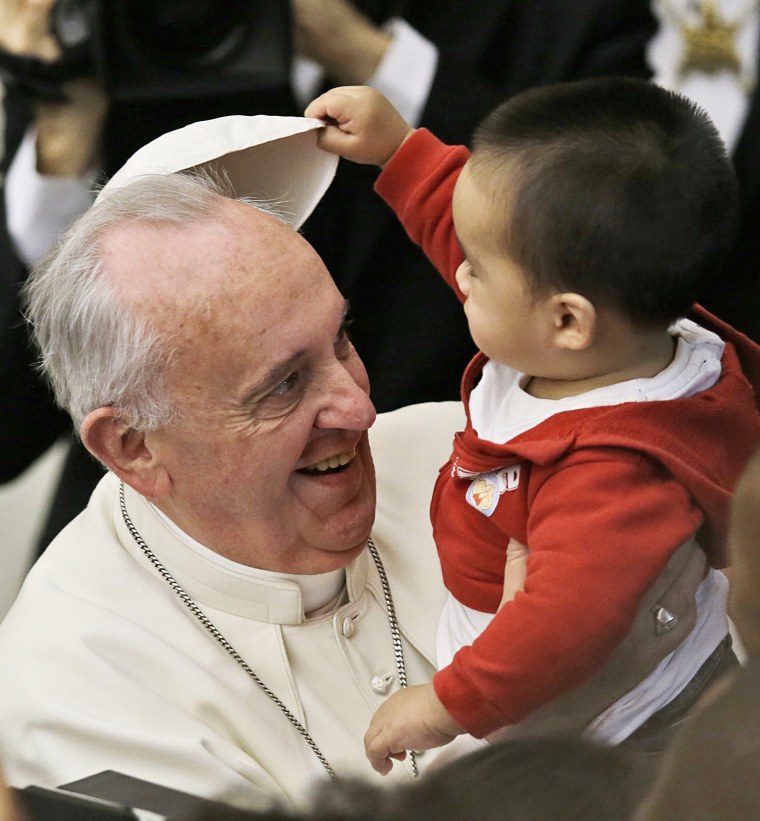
462	277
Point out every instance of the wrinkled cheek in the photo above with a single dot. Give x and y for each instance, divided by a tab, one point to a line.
341	531
335	517
249	491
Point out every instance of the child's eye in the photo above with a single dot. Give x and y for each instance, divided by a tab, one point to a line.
342	343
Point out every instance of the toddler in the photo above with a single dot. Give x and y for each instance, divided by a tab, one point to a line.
603	428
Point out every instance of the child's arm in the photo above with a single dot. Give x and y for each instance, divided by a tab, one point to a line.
593	554
414	718
362	124
515	570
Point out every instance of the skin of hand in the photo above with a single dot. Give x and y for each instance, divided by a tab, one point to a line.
68	134
411	719
8	809
362	124
335	34
25	29
744	545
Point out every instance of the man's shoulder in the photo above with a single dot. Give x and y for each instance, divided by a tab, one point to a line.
94	524
415	435
75	568
409	446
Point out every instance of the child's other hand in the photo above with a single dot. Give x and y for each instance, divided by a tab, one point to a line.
363	126
411	719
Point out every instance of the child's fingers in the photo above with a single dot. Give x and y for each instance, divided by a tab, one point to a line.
335	141
379	752
381	745
381	765
318	108
361	125
337	104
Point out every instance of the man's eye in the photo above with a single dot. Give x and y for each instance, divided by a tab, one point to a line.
287	385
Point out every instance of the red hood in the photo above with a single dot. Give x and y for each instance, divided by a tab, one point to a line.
676	433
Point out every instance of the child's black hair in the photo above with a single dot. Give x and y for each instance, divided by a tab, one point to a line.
614	188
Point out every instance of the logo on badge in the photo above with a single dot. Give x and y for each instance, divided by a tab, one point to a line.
486	489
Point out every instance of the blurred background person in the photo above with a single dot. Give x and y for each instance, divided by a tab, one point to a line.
8	809
514	780
708	50
711	771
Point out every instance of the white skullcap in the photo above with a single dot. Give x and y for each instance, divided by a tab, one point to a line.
270	158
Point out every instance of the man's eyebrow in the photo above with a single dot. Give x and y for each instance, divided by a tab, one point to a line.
281	370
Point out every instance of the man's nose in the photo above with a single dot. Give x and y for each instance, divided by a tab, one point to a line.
345	403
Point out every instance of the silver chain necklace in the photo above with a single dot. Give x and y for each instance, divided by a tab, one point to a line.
398	651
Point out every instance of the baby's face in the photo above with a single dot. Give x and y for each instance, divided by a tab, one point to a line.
745	556
504	317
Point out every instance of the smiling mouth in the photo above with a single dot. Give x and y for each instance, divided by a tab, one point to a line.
334	464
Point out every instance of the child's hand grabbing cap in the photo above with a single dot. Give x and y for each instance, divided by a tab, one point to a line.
362	124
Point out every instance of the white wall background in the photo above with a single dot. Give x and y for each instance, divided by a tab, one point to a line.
23	507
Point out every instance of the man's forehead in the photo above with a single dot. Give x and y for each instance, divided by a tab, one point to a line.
245	343
210	253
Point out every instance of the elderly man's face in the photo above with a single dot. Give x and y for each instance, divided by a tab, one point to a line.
269	464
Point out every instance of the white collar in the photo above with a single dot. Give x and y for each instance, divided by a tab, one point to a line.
216	582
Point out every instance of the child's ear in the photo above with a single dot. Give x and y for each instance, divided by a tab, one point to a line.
573	319
126	452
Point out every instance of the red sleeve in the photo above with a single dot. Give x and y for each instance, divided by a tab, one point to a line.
418	183
599	534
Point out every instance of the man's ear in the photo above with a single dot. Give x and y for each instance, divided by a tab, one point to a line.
573	319
125	451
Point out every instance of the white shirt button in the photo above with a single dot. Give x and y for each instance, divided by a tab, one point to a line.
381	684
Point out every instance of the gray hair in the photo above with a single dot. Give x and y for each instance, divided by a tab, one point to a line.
95	348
